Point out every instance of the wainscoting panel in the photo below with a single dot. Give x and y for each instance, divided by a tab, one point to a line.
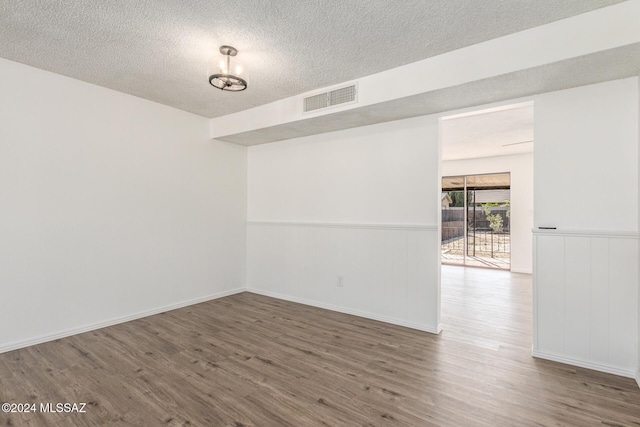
586	299
380	271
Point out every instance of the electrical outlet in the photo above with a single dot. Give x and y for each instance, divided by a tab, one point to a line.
341	281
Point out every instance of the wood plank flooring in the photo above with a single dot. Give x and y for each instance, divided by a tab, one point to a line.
250	360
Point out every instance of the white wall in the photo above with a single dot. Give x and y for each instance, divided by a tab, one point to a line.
587	158
362	204
373	174
638	366
111	207
521	169
586	185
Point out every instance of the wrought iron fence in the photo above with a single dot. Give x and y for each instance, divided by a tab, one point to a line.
488	243
482	239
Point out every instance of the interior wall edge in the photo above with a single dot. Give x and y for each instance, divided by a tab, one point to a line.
629	373
396	226
418	326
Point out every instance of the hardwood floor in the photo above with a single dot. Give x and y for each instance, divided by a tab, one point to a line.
252	360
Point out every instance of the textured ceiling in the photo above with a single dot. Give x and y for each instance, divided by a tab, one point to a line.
499	132
162	50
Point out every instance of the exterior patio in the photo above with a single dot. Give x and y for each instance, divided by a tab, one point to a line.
485	249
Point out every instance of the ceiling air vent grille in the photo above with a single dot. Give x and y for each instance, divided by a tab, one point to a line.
342	95
328	99
314	102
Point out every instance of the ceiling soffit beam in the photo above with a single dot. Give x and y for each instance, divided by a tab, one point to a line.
603	30
584	70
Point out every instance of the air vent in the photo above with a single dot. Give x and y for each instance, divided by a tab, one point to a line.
343	95
314	102
340	96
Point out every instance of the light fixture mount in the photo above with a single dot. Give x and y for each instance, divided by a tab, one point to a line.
225	80
228	50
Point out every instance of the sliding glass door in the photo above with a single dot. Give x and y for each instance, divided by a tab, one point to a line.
476	220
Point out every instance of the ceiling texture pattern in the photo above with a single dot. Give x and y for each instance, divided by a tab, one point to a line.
163	50
501	132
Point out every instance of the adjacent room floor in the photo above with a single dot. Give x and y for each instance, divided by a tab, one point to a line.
252	360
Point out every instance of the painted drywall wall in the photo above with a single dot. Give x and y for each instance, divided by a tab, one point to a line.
373	174
111	207
586	171
361	204
586	185
521	169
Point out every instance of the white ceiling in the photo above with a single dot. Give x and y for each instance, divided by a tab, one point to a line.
500	132
162	50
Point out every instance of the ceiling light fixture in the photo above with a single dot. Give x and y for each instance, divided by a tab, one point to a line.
225	80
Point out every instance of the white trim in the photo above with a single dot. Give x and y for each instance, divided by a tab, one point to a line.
428	227
521	271
638	378
586	233
584	364
74	331
391	320
500	106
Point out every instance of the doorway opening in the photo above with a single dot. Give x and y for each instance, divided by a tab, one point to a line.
487	164
476	220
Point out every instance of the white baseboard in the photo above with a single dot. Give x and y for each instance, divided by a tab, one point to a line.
584	364
638	378
74	331
521	271
372	226
385	319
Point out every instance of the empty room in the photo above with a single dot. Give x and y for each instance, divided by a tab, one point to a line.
288	213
